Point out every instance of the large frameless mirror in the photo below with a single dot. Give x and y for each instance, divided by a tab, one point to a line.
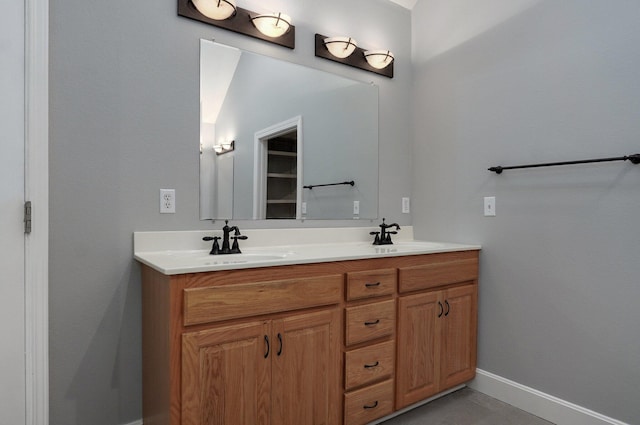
283	141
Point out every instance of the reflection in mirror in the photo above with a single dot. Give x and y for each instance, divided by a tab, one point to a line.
292	126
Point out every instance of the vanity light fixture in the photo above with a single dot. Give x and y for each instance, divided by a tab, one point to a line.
272	24
379	59
223	148
216	9
346	51
272	27
340	47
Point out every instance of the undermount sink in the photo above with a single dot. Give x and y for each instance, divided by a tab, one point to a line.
407	246
196	258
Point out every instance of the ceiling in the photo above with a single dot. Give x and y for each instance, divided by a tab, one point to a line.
405	3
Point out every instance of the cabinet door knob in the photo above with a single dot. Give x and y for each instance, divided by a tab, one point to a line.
369	366
448	307
375	322
441	309
266	340
366	406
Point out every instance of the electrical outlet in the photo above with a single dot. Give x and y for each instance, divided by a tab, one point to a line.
406	205
356	207
490	206
167	201
304	208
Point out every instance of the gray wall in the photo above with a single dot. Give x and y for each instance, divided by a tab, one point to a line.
124	120
538	81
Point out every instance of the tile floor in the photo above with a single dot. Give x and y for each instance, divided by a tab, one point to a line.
466	407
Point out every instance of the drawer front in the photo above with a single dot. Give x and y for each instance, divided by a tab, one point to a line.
370	321
369	364
369	403
371	283
444	269
205	305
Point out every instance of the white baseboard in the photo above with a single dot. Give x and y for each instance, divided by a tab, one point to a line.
543	405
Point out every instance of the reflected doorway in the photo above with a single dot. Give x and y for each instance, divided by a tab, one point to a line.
278	171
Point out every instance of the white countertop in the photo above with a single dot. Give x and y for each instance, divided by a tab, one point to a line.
174	253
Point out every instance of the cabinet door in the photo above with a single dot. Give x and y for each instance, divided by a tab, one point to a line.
306	374
459	331
226	377
418	354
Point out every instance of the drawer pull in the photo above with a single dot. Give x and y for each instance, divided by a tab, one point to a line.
375	322
448	307
441	309
372	285
280	349
266	340
369	366
371	407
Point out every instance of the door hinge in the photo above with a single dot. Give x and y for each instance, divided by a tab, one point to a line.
27	217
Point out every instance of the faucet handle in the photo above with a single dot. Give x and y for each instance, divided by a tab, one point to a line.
215	249
235	248
387	239
376	240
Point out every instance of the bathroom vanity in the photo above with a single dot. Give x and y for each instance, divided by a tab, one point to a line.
309	334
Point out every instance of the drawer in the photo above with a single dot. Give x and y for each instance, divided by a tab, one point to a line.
369	403
439	270
372	283
370	321
217	303
369	364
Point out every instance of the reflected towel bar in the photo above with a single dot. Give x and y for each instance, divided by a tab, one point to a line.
311	186
635	159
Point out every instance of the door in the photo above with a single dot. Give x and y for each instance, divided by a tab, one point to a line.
418	347
12	295
306	369
458	364
226	375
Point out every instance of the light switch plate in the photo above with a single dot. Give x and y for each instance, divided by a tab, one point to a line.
490	206
406	205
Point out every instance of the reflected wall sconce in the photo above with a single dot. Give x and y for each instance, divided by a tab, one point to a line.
345	50
272	27
223	148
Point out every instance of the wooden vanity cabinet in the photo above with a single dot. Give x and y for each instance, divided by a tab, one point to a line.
437	326
226	348
335	343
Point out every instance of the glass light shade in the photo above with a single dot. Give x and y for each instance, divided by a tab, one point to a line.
224	147
218	10
272	24
378	59
340	47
